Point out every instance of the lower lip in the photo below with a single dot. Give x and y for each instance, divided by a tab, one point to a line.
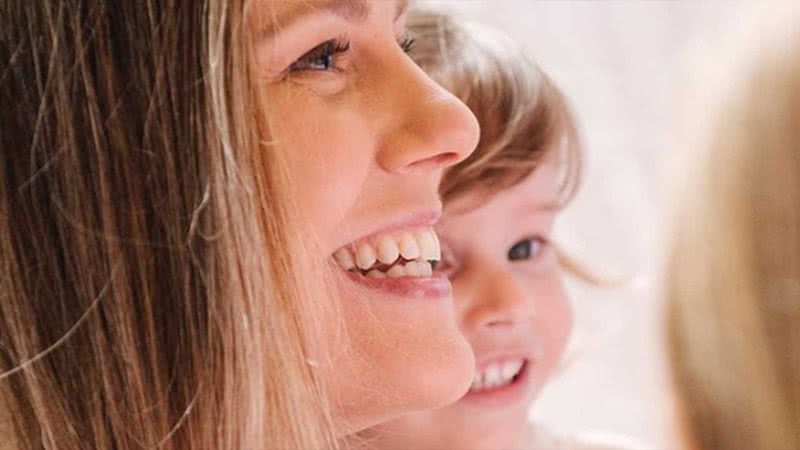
503	396
437	286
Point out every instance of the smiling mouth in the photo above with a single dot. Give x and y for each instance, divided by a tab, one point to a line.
497	375
406	254
401	263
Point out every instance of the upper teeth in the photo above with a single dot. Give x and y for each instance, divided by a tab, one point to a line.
496	375
382	256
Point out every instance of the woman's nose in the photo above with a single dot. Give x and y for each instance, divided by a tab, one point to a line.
429	128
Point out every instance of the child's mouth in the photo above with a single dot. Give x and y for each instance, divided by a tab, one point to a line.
497	375
400	262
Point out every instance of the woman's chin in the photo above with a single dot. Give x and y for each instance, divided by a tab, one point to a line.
452	379
426	377
398	353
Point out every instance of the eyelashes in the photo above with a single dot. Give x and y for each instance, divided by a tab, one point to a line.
324	57
407	43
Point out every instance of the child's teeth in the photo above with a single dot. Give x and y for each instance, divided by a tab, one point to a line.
408	246
396	271
428	245
365	257
345	259
496	375
510	369
493	375
375	273
388	252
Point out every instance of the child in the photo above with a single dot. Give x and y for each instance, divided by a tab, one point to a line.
500	206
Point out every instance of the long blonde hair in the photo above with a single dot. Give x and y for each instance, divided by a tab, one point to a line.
147	297
733	276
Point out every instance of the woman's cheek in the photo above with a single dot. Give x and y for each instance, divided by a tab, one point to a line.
326	179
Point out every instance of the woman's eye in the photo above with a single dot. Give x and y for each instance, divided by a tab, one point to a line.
321	58
527	249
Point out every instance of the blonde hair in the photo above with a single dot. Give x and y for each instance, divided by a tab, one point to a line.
733	275
147	291
522	113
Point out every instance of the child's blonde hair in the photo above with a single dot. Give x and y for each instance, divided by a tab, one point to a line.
522	113
733	276
524	117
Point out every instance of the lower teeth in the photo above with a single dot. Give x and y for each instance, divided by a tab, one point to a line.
416	268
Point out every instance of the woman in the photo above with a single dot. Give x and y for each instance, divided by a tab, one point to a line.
176	179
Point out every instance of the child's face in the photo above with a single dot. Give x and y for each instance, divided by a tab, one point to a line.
512	308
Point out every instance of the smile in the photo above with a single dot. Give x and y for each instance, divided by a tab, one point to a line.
400	262
496	375
393	255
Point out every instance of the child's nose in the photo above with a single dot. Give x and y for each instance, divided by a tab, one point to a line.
504	302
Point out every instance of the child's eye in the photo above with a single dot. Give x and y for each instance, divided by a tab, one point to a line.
322	57
526	249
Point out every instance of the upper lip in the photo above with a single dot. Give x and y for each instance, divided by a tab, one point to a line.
502	356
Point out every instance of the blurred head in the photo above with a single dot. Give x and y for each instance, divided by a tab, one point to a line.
500	206
733	276
173	193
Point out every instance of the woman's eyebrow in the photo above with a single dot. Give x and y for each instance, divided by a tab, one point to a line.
356	11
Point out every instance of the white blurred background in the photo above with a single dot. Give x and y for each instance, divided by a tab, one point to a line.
628	68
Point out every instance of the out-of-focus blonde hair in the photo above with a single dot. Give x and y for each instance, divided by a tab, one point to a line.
733	273
149	284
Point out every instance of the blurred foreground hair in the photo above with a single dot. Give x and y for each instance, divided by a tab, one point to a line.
733	275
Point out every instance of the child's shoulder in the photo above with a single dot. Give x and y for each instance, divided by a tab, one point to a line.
543	439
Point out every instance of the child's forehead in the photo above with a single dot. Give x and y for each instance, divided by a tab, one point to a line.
537	194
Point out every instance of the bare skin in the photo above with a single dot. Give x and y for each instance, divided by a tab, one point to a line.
367	135
511	306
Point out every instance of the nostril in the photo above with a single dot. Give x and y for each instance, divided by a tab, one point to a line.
437	162
500	323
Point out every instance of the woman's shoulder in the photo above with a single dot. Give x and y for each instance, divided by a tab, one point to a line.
543	439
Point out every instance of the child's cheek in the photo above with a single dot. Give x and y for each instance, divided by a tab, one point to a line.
554	318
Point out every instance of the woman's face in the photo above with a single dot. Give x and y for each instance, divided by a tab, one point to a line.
367	134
